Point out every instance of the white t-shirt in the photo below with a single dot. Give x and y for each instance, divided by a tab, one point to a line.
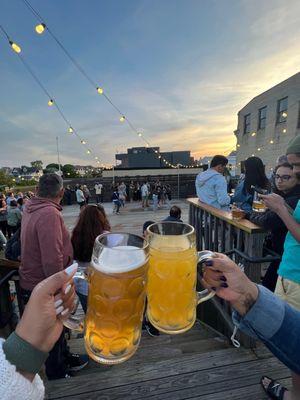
79	196
144	190
98	188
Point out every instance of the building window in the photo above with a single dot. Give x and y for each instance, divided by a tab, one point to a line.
262	117
247	124
282	106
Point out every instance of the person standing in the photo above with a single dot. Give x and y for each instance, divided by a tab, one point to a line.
211	186
116	201
99	192
287	186
3	216
145	194
80	197
9	198
87	194
122	193
14	216
46	249
68	195
131	191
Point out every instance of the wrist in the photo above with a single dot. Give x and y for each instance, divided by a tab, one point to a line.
246	300
38	343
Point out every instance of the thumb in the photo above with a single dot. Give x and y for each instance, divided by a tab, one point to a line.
55	282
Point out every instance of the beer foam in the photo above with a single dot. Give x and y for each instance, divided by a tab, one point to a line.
120	259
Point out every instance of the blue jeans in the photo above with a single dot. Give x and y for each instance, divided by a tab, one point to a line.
83	301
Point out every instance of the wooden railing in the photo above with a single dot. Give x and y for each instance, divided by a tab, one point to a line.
216	230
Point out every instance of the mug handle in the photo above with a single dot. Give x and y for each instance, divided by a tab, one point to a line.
205	294
74	322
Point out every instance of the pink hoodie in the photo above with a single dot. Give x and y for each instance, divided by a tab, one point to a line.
45	242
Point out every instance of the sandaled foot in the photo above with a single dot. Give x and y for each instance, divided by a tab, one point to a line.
274	389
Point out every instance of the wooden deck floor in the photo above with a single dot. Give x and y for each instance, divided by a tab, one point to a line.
194	365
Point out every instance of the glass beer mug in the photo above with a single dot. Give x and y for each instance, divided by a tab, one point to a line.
116	297
172	277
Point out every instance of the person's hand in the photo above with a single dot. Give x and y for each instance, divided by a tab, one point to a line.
40	324
230	283
274	202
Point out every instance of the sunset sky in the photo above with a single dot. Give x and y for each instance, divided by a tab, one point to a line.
180	70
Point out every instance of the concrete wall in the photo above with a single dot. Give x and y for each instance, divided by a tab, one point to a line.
279	133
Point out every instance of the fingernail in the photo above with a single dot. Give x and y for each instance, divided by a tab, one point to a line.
224	285
213	288
59	310
209	263
71	269
65	311
222	278
58	303
67	289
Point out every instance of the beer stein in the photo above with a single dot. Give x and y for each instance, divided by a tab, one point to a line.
116	297
171	289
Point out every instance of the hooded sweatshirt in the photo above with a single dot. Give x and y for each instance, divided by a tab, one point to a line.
211	188
45	242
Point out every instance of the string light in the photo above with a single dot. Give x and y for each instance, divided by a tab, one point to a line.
284	114
259	149
40	28
15	47
83	141
50	103
253	134
88	152
122	119
99	90
284	130
271	141
139	134
70	130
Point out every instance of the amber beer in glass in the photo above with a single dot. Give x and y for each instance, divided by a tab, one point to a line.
116	297
258	205
172	277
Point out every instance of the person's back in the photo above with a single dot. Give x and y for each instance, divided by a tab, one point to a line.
45	243
211	186
14	214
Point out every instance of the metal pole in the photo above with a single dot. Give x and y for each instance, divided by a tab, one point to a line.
178	181
58	158
113	168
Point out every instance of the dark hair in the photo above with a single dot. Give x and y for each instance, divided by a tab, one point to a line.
50	185
146	224
20	201
91	223
255	174
13	203
175	212
285	165
218	160
2	201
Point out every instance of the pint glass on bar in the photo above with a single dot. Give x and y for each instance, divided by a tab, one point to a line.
172	277
116	299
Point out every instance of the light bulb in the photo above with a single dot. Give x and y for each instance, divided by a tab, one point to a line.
88	152
15	47
238	145
284	130
40	28
140	134
252	155
83	141
122	119
258	149
284	114
50	103
100	90
96	158
271	141
253	134
70	130
159	156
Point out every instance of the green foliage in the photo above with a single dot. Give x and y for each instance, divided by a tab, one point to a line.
5	180
26	182
69	171
37	164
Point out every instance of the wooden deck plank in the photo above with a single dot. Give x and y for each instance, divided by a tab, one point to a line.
187	385
133	372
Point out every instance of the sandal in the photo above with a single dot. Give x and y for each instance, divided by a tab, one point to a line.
274	390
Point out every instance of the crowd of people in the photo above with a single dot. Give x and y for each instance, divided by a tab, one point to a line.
47	249
281	218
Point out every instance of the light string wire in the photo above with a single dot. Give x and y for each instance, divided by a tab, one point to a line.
123	117
52	101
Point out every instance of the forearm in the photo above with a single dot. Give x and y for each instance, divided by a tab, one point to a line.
292	225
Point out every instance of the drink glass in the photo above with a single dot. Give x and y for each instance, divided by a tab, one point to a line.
171	289
116	297
258	205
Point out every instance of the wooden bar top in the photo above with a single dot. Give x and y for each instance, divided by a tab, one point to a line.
242	224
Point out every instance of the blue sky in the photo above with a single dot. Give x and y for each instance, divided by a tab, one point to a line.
180	70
